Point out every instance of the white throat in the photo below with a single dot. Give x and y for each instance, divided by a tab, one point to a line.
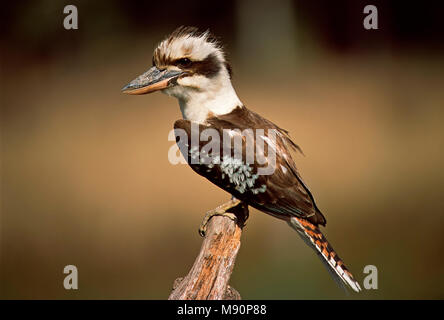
200	97
202	104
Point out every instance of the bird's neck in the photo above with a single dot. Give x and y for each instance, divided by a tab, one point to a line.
199	105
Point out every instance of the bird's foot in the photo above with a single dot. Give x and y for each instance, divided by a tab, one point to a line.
221	210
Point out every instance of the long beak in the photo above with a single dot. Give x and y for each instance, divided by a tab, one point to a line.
152	80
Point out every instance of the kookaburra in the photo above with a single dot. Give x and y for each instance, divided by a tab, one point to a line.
191	66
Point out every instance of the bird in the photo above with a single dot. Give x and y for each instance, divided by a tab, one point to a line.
191	65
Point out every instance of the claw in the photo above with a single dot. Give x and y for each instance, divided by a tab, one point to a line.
203	231
219	211
209	215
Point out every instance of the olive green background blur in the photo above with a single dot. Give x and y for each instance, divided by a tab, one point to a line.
85	176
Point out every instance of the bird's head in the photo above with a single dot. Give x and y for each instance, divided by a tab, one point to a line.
191	66
187	60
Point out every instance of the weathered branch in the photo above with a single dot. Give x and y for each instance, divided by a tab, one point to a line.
211	271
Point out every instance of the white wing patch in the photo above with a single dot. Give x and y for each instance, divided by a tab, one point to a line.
240	174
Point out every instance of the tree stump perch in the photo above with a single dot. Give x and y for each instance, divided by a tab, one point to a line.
209	276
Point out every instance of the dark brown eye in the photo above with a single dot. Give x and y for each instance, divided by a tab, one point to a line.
183	62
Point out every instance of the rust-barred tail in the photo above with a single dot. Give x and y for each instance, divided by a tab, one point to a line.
315	239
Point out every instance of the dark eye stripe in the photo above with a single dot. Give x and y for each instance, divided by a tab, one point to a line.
208	67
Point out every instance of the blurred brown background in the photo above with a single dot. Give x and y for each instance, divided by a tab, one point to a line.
85	177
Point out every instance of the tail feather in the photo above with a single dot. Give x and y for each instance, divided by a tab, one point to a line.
316	240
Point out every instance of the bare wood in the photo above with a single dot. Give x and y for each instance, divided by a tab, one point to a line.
209	276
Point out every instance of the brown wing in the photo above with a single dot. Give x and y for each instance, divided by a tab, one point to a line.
272	185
